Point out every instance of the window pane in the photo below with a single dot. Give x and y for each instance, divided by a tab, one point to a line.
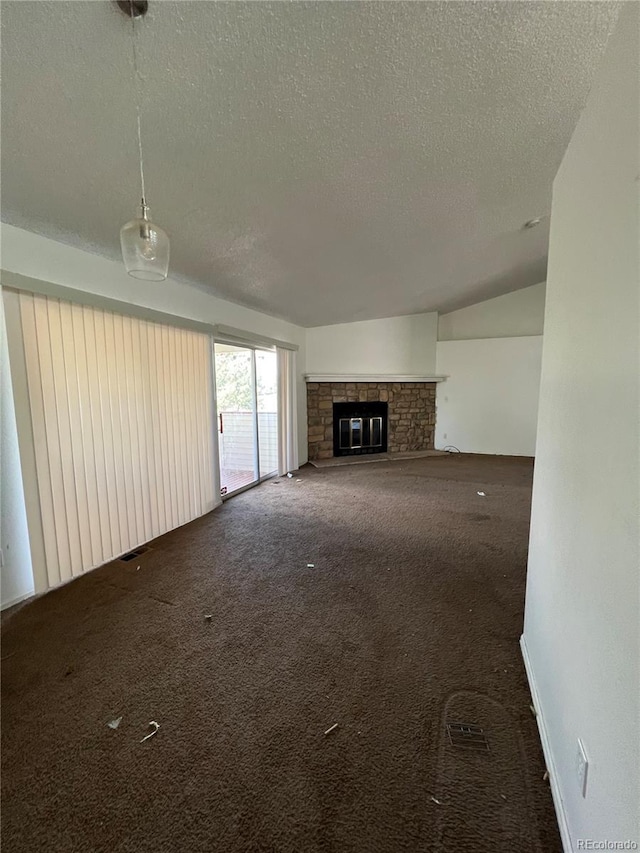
236	417
267	382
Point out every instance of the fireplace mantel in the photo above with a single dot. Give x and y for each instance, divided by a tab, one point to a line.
370	377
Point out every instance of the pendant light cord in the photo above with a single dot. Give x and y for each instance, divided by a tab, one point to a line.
137	95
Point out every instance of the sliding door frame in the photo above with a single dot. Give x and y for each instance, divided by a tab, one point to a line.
258	345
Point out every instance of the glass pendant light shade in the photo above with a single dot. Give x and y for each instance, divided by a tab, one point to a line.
145	248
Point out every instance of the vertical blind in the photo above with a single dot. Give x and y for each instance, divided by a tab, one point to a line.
287	414
123	425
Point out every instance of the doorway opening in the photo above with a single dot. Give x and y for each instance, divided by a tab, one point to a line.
247	405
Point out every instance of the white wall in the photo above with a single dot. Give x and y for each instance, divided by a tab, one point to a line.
491	354
38	257
15	569
489	401
395	345
581	633
509	316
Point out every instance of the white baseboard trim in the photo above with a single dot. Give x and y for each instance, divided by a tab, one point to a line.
17	600
563	825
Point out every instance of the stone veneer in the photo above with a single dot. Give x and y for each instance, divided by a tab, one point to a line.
412	412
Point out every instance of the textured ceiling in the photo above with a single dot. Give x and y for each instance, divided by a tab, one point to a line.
323	162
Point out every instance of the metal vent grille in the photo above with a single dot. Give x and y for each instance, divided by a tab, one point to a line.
467	736
137	552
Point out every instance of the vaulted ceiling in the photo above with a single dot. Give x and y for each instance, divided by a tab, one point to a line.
320	161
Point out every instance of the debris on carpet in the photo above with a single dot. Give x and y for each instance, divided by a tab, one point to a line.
156	726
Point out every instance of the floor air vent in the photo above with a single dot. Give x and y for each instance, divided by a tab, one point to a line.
467	736
137	552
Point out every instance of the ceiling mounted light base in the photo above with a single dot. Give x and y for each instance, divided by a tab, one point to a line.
133	8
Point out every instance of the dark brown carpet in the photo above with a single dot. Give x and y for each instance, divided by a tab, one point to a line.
409	619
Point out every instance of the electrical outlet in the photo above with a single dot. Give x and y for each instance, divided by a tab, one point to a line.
582	767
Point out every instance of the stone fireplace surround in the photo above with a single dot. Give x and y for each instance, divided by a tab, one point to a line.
412	411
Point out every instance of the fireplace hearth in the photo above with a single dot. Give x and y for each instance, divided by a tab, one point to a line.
359	428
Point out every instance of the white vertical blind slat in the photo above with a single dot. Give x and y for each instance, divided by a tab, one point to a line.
121	411
91	430
40	435
54	450
179	402
85	420
192	446
113	411
168	461
157	447
132	406
195	412
146	437
176	423
78	466
105	413
127	482
287	438
65	438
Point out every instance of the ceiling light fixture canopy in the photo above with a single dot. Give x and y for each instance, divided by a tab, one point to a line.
145	246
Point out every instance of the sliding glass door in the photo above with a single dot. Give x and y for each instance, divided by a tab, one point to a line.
246	393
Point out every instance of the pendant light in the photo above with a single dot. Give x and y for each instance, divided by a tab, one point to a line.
145	246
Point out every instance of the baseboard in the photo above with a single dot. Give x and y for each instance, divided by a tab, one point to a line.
6	604
546	749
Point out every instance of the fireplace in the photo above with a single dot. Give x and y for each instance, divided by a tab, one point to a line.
407	409
359	428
